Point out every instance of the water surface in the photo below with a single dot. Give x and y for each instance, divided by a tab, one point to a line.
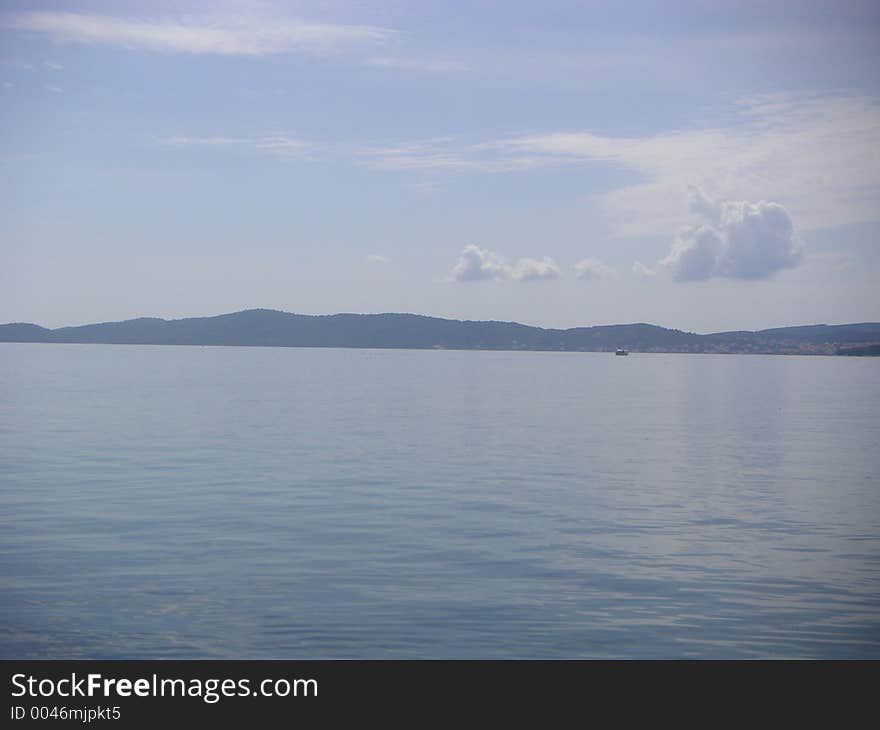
320	503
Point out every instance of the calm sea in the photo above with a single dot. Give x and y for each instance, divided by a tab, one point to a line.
317	503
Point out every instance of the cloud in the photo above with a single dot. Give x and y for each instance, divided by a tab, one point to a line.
435	155
282	145
695	253
376	259
416	64
246	37
16	64
425	187
479	264
528	269
444	155
590	269
808	151
740	240
639	269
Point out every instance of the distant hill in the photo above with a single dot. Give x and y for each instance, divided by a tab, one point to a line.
270	328
865	350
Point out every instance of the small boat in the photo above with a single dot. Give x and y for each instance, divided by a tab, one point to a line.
620	351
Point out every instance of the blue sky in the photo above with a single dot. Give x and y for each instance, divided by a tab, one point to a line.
702	165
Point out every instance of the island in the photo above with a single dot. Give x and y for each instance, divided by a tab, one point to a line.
272	328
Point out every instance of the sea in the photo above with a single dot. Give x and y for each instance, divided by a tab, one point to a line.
296	503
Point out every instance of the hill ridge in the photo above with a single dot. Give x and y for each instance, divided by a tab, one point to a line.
276	328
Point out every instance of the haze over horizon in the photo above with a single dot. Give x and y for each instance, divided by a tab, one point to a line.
699	166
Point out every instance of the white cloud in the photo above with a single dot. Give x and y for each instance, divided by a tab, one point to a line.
740	240
695	253
591	269
479	264
376	259
246	36
528	269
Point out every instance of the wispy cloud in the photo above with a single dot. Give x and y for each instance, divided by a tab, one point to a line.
425	187
281	145
437	155
808	151
445	155
640	270
374	258
242	36
284	145
16	64
417	64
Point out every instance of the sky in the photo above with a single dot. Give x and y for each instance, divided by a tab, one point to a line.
705	165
